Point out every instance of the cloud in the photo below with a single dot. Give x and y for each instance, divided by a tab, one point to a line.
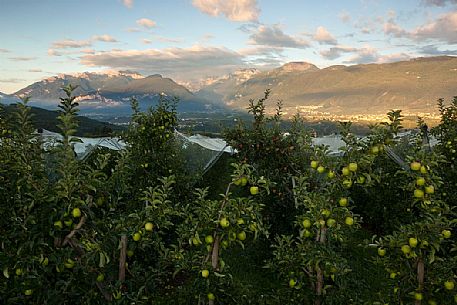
190	63
336	52
393	58
234	10
147	41
323	36
21	58
104	38
71	44
128	3
438	2
145	22
35	70
442	29
4	51
434	51
344	16
11	80
364	55
274	37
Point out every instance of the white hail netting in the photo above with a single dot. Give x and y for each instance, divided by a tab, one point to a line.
199	151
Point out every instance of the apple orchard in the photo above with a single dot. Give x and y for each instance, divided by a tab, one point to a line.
280	222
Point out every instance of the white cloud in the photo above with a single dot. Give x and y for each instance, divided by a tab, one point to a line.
274	37
323	36
4	51
11	80
104	38
145	22
364	55
235	10
22	58
70	43
183	63
128	3
35	70
147	41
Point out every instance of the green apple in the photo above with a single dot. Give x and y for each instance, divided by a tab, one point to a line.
254	190
353	166
415	166
69	263
237	182
137	236
130	253
393	275
446	233
418	296
225	243
349	221
242	235
347	183
19	272
306	233
343	201
68	222
205	273
412	242
406	249
314	164
76	213
423	170
211	296
326	213
28	292
418	193
195	241
244	181
449	285
209	239
381	251
331	222
429	189
58	224
306	223
320	169
420	181
361	179
100	277
240	221
345	171
224	222
375	150
331	174
149	226
292	283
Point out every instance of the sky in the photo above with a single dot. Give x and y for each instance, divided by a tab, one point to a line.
191	40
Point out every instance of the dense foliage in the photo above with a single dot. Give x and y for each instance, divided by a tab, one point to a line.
374	224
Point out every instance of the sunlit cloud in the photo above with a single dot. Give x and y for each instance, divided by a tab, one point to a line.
234	10
35	70
128	3
70	43
323	36
145	22
22	58
104	38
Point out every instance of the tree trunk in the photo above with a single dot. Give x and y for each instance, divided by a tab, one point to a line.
122	258
420	277
319	274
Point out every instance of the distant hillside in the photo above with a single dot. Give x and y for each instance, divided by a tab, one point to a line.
112	92
87	127
413	86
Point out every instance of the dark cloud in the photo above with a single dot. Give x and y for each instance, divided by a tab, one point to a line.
274	37
433	50
438	2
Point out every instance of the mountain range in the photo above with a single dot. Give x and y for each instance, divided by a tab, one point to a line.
365	89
